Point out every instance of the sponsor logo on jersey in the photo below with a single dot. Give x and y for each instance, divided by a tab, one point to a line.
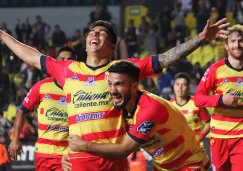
89	116
54	114
225	80
57	128
145	127
157	153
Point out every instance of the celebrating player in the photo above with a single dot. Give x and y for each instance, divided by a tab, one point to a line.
52	120
185	103
154	124
90	112
224	79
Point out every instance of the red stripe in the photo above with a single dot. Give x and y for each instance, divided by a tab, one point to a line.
85	78
191	166
163	131
227	119
107	114
226	132
69	98
231	79
191	112
103	135
52	142
177	161
197	130
42	155
45	127
52	96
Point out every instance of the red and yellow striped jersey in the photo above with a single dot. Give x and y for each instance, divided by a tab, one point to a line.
194	115
90	111
52	116
164	133
221	78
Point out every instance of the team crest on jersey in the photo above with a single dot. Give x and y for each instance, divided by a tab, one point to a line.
239	82
90	82
74	77
145	127
206	72
62	101
47	96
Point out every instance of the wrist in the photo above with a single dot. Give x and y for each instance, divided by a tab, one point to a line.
202	136
202	37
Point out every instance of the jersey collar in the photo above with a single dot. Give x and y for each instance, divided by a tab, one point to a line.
229	65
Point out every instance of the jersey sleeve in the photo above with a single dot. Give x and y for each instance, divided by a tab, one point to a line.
147	119
55	68
148	66
32	99
207	84
204	115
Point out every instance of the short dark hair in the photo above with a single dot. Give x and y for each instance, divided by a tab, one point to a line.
68	49
125	67
183	75
108	26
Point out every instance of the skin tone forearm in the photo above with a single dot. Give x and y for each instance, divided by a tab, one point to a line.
76	144
28	54
18	124
181	51
15	146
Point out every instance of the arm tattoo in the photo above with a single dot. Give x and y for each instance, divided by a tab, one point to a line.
173	55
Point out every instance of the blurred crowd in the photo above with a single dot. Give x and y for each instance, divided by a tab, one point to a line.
169	28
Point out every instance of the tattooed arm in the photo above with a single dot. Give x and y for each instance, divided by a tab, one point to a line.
209	32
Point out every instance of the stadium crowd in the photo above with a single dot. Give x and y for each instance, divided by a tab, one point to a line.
169	28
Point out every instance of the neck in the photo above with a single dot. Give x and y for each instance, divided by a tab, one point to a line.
235	63
96	60
181	100
131	105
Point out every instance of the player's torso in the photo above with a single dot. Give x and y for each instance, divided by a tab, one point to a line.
191	113
226	121
229	80
170	139
91	113
52	120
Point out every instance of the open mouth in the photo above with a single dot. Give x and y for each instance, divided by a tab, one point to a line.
94	42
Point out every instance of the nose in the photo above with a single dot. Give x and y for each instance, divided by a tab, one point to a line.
96	34
112	89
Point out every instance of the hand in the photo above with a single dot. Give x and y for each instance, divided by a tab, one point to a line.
15	148
66	165
230	99
214	31
76	143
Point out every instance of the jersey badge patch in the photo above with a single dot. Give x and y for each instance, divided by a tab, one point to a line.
145	127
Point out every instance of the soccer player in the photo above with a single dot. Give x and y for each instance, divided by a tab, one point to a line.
224	79
154	124
52	120
185	103
90	111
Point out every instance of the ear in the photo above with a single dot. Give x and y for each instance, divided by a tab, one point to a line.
226	46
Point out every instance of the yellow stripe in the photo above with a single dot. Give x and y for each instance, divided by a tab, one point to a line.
51	87
53	135
225	136
224	71
229	112
50	149
224	125
94	126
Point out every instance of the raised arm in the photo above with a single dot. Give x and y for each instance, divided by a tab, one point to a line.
209	32
28	54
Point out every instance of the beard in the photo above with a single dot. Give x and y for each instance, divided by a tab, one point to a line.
125	99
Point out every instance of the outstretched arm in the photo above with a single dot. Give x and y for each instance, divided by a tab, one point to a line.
76	144
28	54
209	32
